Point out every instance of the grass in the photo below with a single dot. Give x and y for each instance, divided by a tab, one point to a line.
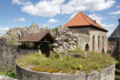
9	73
90	62
117	71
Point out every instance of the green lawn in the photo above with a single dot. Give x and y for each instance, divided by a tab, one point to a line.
117	71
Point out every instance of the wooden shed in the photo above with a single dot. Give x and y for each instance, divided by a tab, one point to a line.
41	41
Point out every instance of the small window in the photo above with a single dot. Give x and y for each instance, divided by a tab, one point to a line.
98	41
93	42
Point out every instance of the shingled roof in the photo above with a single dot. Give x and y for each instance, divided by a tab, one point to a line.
36	37
80	20
115	33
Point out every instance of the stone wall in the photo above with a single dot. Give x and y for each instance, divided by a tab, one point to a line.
102	40
115	49
16	33
69	39
27	51
9	54
27	74
83	30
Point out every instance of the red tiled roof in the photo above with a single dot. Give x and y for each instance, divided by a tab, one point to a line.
81	19
108	47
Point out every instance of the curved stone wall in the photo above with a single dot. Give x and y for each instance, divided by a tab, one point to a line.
25	74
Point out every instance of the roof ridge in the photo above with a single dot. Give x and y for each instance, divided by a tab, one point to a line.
84	16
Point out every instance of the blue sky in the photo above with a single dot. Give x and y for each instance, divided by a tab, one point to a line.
52	13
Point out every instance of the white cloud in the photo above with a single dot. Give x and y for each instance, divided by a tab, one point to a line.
118	6
45	25
113	16
44	8
109	33
3	31
117	12
21	19
21	2
52	21
98	18
16	1
88	5
73	15
8	20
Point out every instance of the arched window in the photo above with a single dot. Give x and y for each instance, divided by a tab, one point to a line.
93	42
18	36
103	41
98	41
86	47
102	50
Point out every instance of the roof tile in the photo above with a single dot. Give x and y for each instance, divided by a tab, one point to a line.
81	19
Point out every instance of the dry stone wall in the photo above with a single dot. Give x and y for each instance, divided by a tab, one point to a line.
68	39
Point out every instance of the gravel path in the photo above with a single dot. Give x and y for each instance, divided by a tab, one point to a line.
6	78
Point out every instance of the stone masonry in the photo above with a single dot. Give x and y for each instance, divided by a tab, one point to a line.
68	39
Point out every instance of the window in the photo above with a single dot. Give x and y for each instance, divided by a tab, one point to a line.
103	41
98	41
93	42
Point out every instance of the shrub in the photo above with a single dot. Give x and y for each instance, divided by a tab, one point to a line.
9	73
53	29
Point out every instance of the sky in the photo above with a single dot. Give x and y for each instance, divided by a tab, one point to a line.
52	13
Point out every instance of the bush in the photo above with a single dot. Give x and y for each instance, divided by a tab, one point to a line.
53	29
9	73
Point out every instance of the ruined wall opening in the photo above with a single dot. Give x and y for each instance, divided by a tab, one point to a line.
93	42
86	47
18	36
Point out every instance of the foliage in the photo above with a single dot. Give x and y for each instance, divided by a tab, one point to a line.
28	46
9	73
117	71
66	64
53	29
51	46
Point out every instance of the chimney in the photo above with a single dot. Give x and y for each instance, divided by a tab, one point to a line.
94	21
119	22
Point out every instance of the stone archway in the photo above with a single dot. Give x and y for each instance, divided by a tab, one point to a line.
18	36
87	47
